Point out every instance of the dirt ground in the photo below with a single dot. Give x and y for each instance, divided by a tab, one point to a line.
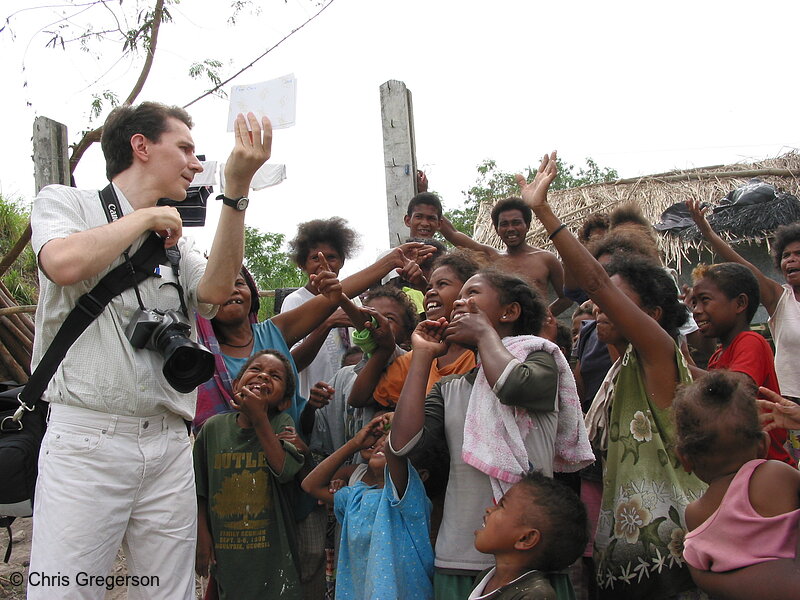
13	576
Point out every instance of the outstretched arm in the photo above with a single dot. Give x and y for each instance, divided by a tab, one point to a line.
364	385
409	417
769	290
252	149
317	483
84	254
655	346
299	322
455	237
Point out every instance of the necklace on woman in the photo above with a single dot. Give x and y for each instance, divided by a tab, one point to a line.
237	345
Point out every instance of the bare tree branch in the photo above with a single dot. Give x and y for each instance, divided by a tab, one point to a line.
158	12
93	136
255	60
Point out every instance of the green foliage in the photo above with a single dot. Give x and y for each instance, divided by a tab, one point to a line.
270	265
138	35
22	278
493	185
99	101
209	68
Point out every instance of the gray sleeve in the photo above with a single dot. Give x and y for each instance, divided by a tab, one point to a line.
532	384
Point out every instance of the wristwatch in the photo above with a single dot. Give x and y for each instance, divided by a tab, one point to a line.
237	203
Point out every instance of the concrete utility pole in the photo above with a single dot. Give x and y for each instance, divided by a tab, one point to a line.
399	154
50	160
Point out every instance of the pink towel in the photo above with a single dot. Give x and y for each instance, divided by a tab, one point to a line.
494	434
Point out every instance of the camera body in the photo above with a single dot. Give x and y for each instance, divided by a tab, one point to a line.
187	364
147	326
193	209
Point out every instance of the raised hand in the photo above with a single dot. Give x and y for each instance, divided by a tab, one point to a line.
412	273
326	282
686	296
776	411
335	485
251	150
416	251
381	331
372	431
339	318
428	336
422	181
698	214
249	404
320	394
468	323
290	435
535	193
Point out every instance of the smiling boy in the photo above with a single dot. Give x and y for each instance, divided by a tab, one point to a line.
512	219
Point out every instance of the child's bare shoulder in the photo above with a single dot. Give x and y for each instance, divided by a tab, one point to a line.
693	515
775	488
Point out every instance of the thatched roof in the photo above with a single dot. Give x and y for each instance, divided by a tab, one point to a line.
654	193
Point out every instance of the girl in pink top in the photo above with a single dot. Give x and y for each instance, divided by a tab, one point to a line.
751	510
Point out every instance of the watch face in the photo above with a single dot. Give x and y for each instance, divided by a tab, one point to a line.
242	203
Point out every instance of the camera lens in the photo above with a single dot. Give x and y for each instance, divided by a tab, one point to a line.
186	364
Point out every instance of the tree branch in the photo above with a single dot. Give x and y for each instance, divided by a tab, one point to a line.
255	60
158	12
12	255
93	136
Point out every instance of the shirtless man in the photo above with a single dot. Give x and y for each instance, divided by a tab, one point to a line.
511	219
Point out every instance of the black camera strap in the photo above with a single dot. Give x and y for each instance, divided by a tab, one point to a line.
88	307
113	212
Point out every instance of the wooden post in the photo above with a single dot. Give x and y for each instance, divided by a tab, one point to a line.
50	165
399	154
50	160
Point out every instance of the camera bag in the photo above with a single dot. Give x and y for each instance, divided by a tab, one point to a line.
23	416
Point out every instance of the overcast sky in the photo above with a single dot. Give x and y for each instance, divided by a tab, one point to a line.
641	87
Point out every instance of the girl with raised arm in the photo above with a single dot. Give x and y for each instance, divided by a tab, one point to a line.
645	493
517	410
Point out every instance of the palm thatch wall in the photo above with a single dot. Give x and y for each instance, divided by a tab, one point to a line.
654	193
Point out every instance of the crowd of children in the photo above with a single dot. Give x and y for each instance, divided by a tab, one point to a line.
415	434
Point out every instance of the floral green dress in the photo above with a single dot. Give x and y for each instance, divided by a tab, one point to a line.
639	541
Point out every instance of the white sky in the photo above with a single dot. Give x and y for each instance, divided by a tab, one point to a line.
639	86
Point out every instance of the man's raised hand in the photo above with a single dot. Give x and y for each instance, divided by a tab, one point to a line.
535	193
251	150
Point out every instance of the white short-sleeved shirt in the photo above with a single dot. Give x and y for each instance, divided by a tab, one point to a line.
102	371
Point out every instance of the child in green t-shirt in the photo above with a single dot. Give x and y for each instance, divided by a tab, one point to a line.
245	538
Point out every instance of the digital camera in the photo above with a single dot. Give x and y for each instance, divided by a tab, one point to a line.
192	209
187	364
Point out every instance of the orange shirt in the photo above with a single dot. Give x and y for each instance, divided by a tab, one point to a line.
391	382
